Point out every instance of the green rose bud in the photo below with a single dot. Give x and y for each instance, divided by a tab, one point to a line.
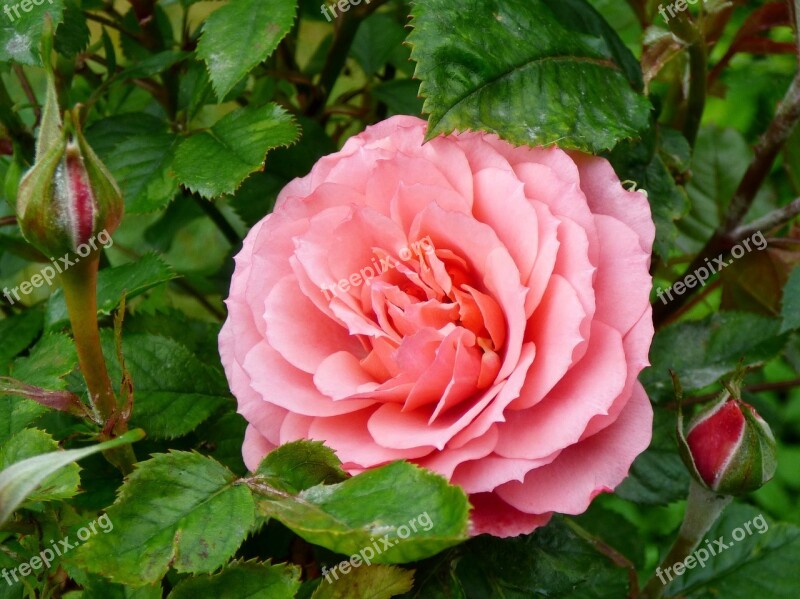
68	196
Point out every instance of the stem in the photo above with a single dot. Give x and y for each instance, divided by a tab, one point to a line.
110	24
26	87
794	13
774	219
702	510
683	27
79	284
80	292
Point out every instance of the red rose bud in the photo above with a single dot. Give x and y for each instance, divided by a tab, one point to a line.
68	197
730	449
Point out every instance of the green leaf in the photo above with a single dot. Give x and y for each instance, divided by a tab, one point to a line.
575	86
52	359
103	589
300	465
615	530
256	197
719	161
366	582
252	579
195	89
130	279
221	439
300	158
240	35
175	392
790	310
33	442
350	516
17	333
20	480
657	476
762	565
198	336
179	509
236	146
622	17
73	35
142	165
138	149
554	562
400	96
110	54
106	134
21	33
702	351
376	38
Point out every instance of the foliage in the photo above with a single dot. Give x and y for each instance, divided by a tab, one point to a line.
203	111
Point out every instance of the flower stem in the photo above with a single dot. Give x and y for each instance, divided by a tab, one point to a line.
80	292
702	510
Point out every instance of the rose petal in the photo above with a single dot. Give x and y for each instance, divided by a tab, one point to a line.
493	516
303	335
296	391
348	436
599	463
589	388
254	448
607	196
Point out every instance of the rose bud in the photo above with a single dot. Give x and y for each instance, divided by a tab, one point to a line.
729	448
68	197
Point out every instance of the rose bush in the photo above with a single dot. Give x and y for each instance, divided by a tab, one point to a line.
502	352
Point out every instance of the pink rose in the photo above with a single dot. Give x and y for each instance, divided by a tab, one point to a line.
478	309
